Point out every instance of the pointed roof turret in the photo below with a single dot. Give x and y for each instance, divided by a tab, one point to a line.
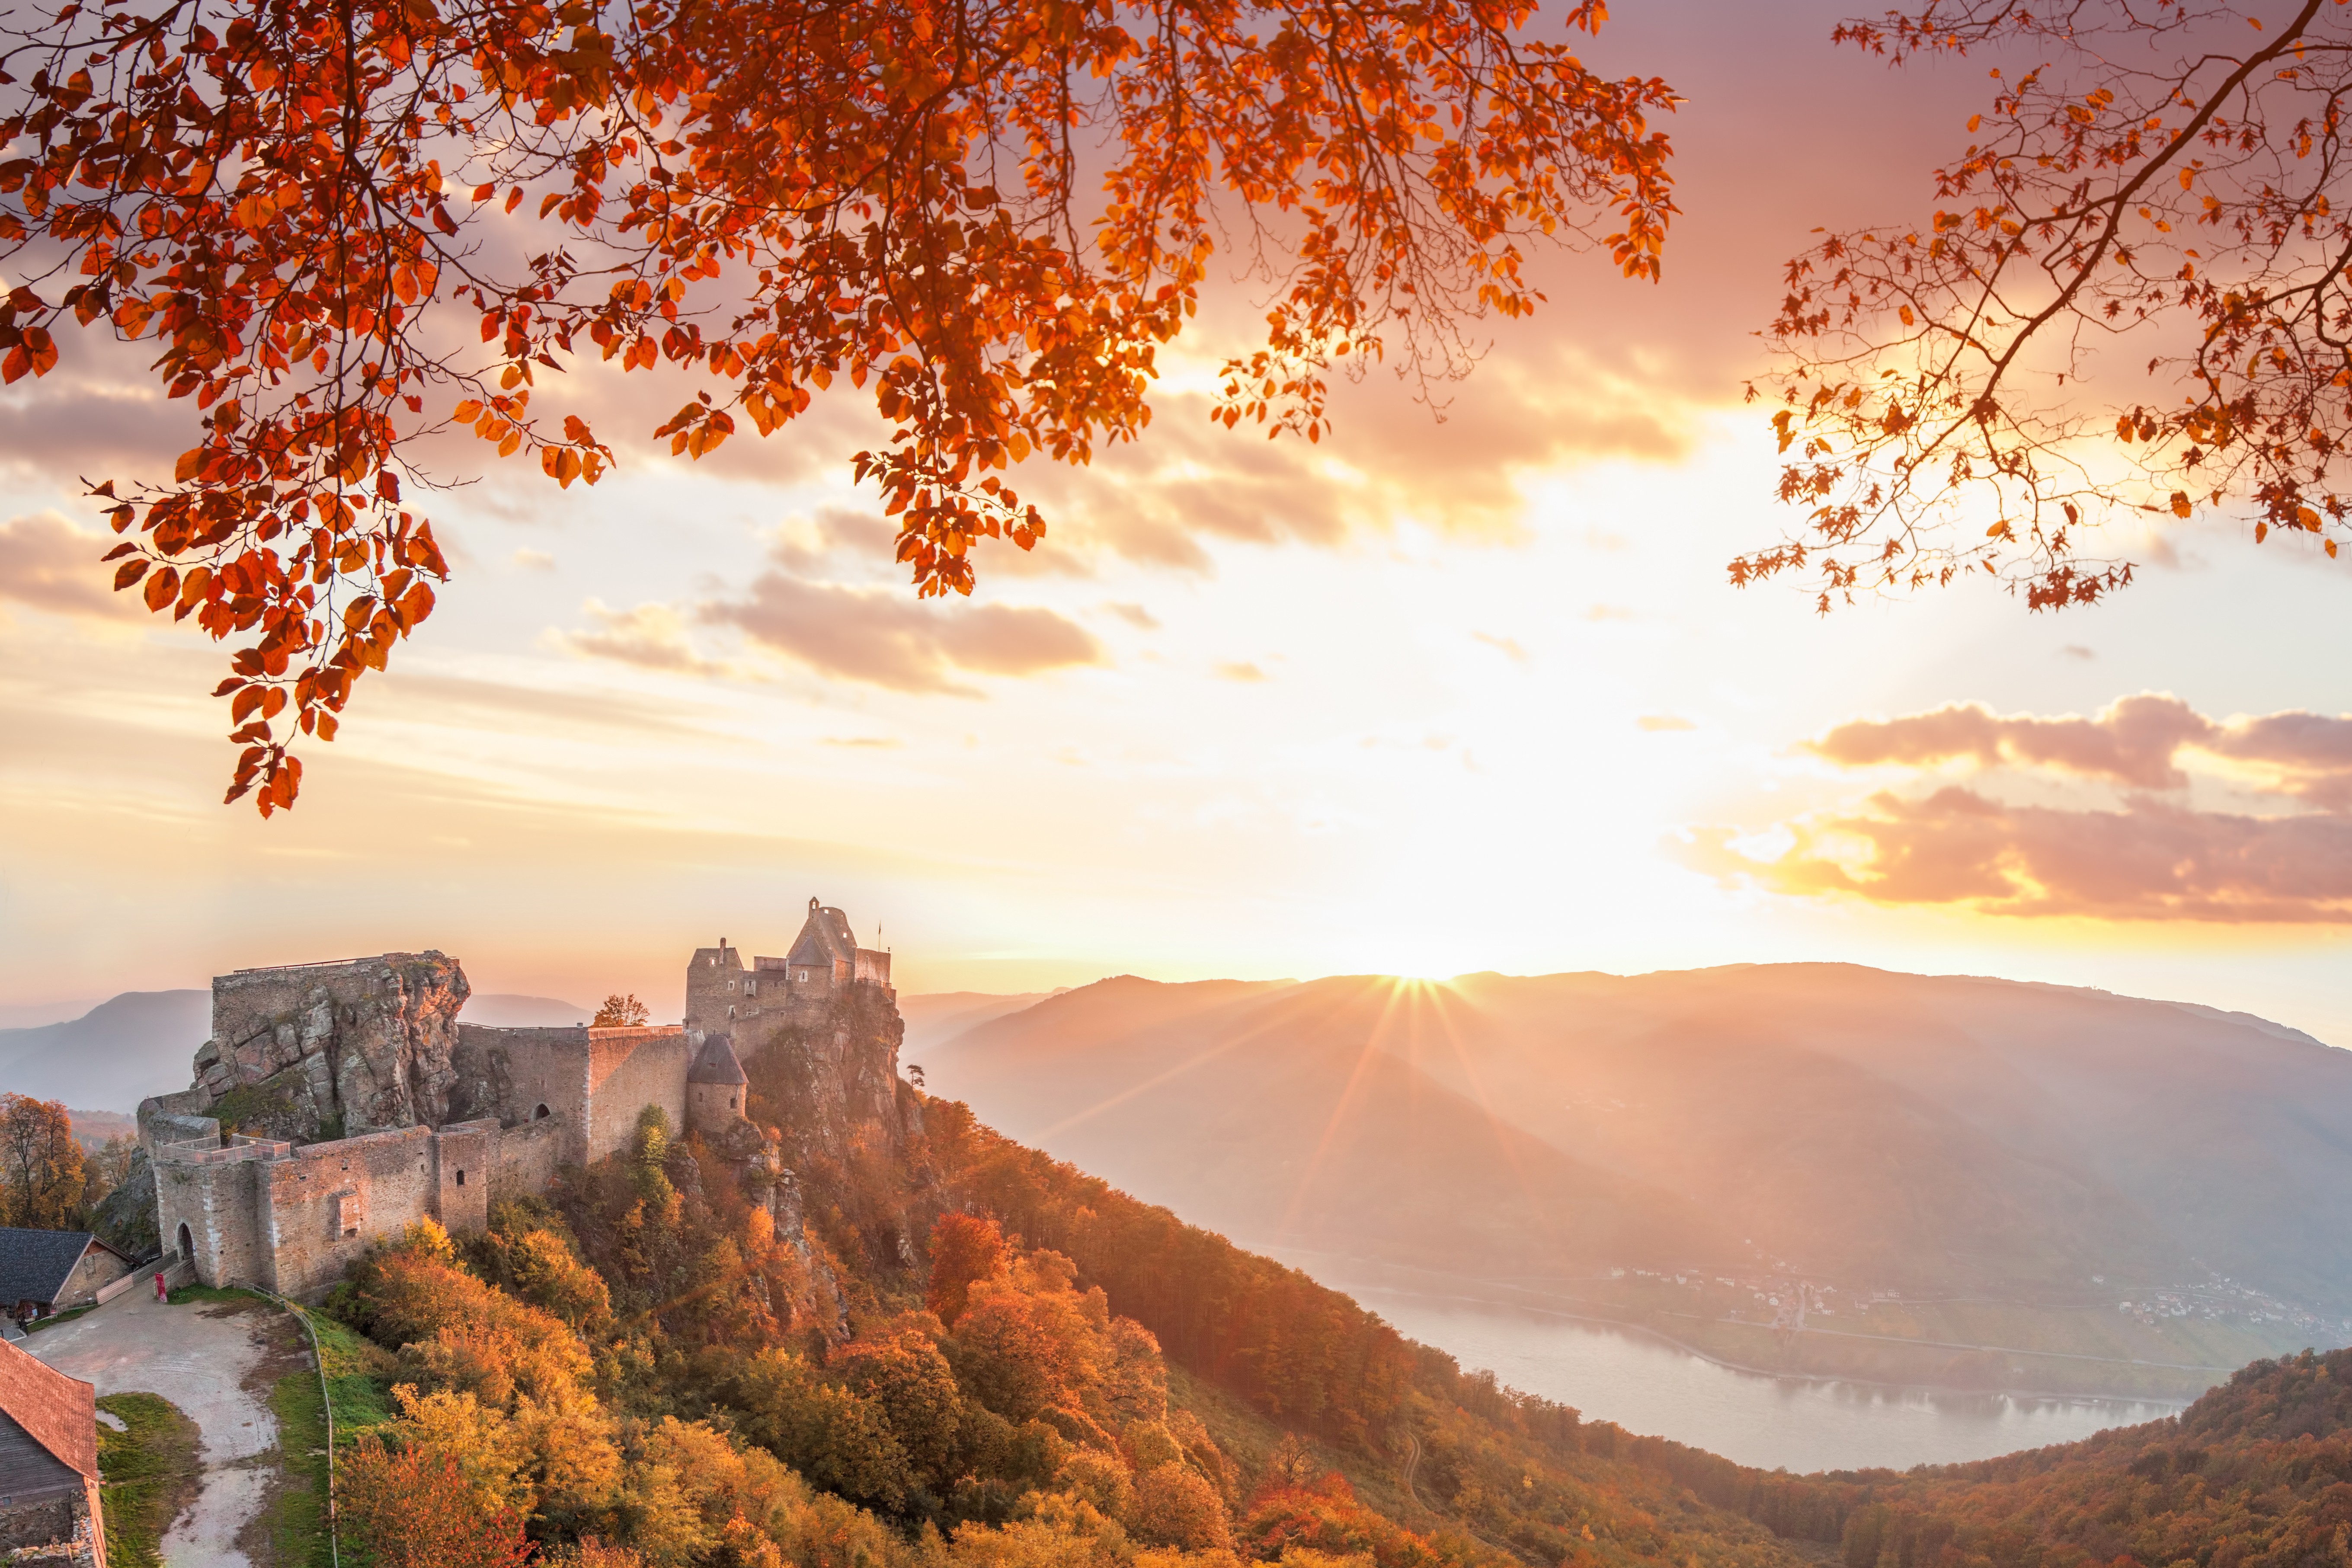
717	1063
825	938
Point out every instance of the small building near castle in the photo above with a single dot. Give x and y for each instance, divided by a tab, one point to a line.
50	1510
340	1103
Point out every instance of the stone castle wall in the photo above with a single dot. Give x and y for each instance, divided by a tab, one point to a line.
217	1203
526	1076
710	1108
528	1155
755	1003
322	1206
629	1069
294	1220
478	1115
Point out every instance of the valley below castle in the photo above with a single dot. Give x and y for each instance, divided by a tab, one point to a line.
1561	1270
1816	1172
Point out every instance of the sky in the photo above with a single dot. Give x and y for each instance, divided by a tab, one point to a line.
1439	694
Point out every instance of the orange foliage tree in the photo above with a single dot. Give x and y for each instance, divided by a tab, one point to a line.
2160	185
312	209
965	1249
403	1505
622	1012
41	1178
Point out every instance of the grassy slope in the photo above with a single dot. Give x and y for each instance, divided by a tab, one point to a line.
147	1475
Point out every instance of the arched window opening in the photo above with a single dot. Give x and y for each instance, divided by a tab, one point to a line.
461	1176
187	1244
539	1114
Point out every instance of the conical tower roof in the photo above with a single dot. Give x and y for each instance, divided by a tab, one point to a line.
717	1063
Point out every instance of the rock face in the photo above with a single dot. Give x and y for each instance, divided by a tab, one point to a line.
831	1076
125	1217
333	1050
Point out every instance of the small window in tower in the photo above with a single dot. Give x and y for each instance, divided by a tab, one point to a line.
539	1114
803	976
461	1178
730	986
730	1102
751	988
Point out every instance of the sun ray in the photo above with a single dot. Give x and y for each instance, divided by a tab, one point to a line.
1398	989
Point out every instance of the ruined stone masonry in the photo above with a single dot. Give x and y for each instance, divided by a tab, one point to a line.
340	1103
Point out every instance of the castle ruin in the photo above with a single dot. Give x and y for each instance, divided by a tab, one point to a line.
340	1103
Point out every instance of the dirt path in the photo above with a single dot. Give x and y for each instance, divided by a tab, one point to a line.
215	1360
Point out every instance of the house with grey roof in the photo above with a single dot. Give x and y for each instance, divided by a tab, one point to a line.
45	1271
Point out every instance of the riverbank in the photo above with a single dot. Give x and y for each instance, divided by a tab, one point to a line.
1973	1347
1651	1383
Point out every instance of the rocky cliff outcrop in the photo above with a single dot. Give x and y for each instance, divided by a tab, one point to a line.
125	1217
830	1080
333	1050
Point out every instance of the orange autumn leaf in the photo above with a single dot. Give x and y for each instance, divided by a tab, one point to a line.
884	196
2189	201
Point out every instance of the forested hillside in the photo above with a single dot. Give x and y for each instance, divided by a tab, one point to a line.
976	1354
969	1356
2257	1474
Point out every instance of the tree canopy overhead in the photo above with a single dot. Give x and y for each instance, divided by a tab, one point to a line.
348	224
2159	180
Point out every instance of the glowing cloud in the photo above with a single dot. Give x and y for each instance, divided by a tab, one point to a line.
2149	855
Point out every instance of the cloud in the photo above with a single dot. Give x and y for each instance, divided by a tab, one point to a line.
651	637
2076	650
886	637
1135	616
1241	671
90	427
1661	723
2132	742
50	564
1509	647
534	560
2151	860
2148	853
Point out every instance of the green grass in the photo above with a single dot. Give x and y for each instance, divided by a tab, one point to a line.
357	1382
357	1376
296	1517
147	1473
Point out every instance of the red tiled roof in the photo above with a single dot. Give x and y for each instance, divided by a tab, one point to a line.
58	1412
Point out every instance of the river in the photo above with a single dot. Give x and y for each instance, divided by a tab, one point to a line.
1648	1387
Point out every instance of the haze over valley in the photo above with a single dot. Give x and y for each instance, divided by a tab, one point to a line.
1952	1182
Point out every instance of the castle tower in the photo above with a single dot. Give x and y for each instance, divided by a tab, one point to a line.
750	1002
715	1088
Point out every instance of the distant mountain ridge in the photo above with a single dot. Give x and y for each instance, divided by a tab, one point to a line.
112	1056
510	1010
1940	1137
